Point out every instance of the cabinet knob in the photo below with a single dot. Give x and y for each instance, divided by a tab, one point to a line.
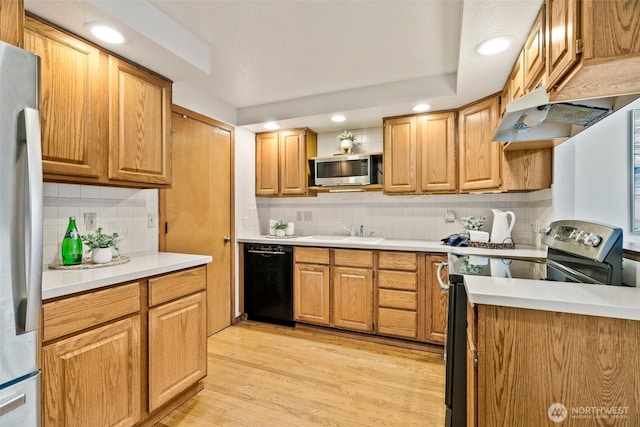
227	239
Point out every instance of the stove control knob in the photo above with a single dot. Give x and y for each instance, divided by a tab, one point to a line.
545	230
593	240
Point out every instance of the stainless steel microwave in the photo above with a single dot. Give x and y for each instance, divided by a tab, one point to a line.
355	169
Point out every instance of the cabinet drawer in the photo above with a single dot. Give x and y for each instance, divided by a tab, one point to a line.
83	311
401	323
398	280
311	255
175	285
397	299
352	258
398	260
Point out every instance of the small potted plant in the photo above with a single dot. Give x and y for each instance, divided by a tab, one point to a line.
346	141
100	245
280	226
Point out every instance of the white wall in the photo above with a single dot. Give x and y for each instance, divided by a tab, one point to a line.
592	178
186	96
592	174
368	140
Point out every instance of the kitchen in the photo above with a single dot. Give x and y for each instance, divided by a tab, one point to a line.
399	217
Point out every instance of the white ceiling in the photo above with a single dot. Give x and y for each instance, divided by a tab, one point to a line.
299	61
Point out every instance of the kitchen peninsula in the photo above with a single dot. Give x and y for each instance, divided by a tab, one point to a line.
145	320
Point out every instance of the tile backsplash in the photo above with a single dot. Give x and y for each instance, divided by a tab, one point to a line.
406	217
124	210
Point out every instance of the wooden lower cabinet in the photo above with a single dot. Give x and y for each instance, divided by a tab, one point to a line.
174	327
531	359
93	379
311	293
353	298
437	300
107	352
398	295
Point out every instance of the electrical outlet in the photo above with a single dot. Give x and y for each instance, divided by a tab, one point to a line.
151	220
308	215
90	220
299	216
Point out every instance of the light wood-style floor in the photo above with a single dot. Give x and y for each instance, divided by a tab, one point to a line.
268	375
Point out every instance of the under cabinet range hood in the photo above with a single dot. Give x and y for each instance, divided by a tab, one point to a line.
533	118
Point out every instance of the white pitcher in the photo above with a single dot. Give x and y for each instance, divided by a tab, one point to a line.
501	229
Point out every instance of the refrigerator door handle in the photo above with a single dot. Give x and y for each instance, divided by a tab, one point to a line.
12	403
33	219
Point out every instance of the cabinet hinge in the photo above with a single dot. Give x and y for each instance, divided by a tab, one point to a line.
475	360
499	182
579	45
166	228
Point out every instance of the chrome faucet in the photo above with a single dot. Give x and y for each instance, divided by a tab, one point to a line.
361	231
349	229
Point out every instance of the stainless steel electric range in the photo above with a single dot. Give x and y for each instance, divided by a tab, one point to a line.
578	251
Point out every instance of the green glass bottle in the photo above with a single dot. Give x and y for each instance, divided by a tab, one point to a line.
71	244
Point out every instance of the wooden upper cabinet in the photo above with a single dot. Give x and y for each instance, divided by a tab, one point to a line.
516	80
73	103
562	30
607	33
267	160
12	22
533	54
479	163
282	167
139	120
293	163
436	145
400	155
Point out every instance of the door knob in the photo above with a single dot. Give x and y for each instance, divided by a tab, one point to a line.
227	239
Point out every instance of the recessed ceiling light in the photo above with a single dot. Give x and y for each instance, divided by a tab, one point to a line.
106	33
338	118
421	107
271	126
494	45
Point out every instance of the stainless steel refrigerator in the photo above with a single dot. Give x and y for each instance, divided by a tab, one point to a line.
20	237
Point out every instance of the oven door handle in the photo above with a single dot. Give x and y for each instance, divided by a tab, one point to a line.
443	286
574	274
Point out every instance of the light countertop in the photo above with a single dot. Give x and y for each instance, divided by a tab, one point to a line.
521	251
594	300
57	283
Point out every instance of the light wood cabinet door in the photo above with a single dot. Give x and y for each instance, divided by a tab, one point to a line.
400	155
562	32
293	162
177	347
311	293
353	298
93	379
12	22
472	384
479	162
534	54
73	101
436	139
516	79
437	300
267	160
139	125
398	304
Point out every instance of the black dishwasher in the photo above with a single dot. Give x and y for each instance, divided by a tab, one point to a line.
268	283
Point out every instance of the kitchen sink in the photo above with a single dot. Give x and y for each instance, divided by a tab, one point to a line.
324	237
357	239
